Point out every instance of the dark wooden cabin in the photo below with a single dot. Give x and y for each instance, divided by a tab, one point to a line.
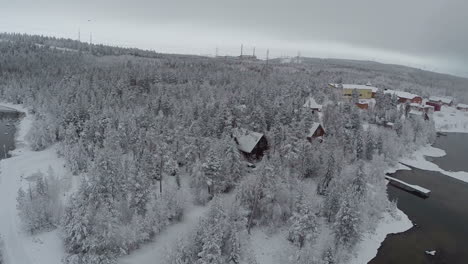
316	131
252	144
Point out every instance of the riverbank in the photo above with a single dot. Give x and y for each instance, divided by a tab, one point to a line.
442	217
449	119
418	160
20	247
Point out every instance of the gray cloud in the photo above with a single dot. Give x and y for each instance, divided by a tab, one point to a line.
430	33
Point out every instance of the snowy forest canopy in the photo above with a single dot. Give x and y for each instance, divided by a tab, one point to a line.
151	134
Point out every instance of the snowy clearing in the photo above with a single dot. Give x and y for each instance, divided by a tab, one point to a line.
417	160
20	247
155	252
270	249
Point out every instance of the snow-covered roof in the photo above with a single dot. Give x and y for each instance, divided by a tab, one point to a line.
311	103
314	128
462	105
401	94
445	100
355	86
415	105
412	112
246	140
7	109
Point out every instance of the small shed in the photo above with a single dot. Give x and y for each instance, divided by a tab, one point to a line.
315	131
312	104
251	144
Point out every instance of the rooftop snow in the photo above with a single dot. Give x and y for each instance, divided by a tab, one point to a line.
401	94
314	128
246	140
356	86
311	103
445	100
462	105
412	112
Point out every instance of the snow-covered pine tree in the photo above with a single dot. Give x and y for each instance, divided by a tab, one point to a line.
347	223
329	174
303	225
212	171
232	164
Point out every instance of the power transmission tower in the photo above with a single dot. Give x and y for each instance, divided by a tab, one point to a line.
267	55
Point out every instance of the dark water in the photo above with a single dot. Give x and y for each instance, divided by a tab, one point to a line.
7	133
457	154
442	219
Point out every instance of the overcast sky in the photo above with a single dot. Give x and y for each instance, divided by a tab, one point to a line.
430	34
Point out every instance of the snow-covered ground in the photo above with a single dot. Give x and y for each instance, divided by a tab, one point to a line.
20	247
155	252
270	249
450	119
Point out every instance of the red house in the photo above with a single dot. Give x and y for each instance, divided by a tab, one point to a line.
405	97
448	101
436	106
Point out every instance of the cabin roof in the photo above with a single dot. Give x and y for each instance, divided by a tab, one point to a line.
246	140
355	86
314	128
311	103
401	94
462	105
445	100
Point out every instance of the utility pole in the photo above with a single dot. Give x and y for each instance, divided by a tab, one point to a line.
254	51
161	174
242	49
268	53
79	34
216	52
91	38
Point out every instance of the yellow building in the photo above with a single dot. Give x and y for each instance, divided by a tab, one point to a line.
365	91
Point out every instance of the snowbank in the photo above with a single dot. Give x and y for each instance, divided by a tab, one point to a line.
369	245
450	119
417	160
22	248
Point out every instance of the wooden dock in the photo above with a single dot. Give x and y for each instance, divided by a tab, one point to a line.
8	112
416	189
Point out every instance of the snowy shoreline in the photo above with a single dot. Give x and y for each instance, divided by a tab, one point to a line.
22	248
418	160
368	247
